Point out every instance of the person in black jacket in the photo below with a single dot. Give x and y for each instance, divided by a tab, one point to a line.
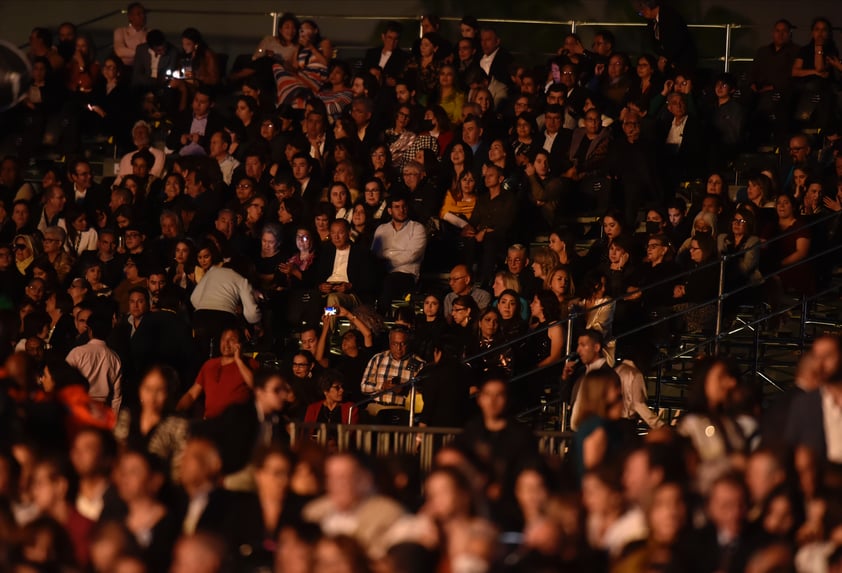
670	36
191	132
388	58
446	384
344	270
243	429
234	517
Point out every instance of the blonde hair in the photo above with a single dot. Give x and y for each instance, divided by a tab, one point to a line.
594	387
509	281
546	258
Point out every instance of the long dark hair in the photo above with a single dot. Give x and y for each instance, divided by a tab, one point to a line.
697	398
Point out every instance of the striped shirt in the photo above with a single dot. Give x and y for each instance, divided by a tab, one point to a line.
384	367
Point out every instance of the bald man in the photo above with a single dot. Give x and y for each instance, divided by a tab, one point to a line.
462	283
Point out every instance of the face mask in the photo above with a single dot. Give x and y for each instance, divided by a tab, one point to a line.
653	227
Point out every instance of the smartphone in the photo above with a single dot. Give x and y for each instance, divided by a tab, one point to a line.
330	311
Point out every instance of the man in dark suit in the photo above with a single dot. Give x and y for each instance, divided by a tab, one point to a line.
309	183
556	141
207	201
682	146
344	270
388	58
233	516
244	428
496	62
670	36
728	540
191	133
152	60
86	193
811	413
631	163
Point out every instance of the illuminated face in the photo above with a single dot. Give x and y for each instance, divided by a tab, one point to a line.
611	228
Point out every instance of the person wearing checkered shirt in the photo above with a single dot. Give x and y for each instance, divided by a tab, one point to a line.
391	367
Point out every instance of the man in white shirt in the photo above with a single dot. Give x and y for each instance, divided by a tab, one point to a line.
388	59
54	201
220	142
99	364
128	38
142	139
678	108
400	243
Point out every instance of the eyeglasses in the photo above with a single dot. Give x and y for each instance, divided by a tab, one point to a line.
695	248
339	387
47	240
244	186
19	247
300	364
739	221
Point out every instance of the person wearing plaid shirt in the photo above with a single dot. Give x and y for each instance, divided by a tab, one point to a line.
390	368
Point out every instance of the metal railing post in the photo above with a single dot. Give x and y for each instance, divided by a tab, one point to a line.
727	46
420	27
275	17
568	350
572	26
803	330
412	405
721	290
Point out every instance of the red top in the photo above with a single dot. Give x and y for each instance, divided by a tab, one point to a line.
223	385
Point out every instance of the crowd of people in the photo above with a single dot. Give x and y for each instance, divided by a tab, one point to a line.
269	253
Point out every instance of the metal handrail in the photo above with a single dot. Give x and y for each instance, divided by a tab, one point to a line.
422	442
719	261
719	299
572	24
88	22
